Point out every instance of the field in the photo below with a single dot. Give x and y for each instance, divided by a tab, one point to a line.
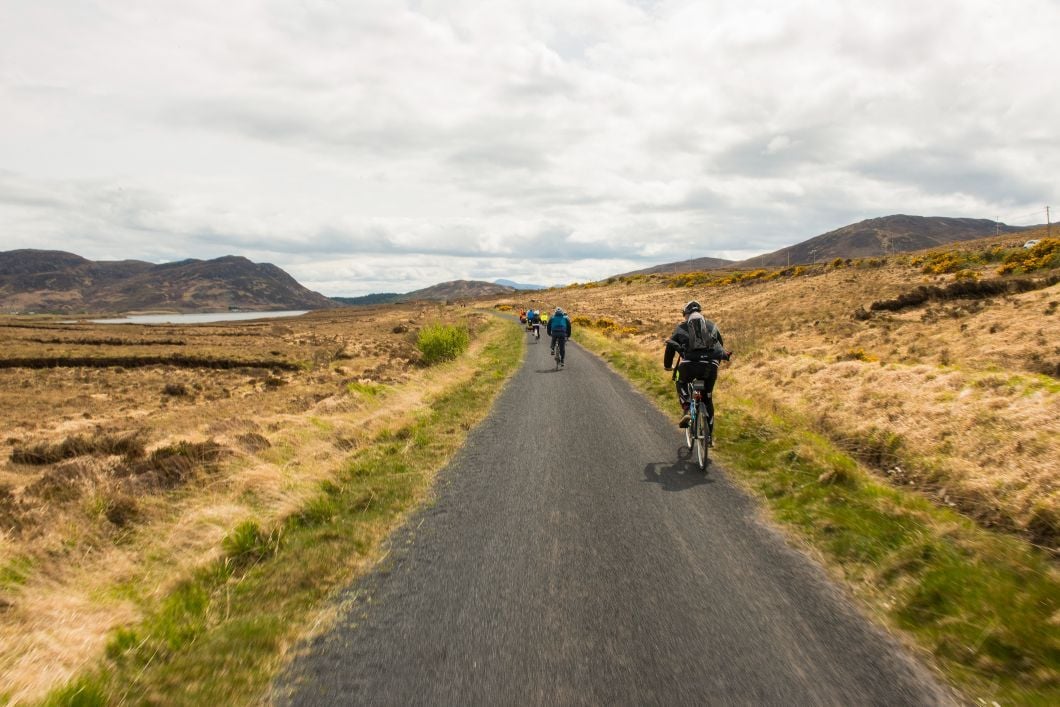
129	453
899	419
939	371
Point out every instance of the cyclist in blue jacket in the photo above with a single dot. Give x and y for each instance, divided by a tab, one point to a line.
559	328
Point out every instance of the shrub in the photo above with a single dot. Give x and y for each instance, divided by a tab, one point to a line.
442	342
857	355
246	543
175	389
131	446
1044	255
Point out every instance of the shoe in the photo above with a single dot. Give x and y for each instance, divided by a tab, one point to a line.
684	421
710	441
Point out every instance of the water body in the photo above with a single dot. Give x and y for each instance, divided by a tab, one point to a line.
200	318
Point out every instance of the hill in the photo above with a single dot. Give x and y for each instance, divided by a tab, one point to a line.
883	344
519	285
690	265
368	300
457	289
881	236
47	281
442	292
881	407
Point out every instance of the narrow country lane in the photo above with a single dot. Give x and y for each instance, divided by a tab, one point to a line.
575	555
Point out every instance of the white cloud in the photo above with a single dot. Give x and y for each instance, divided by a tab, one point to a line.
430	140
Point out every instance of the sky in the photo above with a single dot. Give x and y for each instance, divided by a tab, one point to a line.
385	146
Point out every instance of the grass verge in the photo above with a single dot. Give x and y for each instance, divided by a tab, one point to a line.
985	606
220	636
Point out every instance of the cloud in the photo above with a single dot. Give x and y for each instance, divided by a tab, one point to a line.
439	139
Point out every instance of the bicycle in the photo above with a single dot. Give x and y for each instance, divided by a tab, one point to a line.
556	351
697	434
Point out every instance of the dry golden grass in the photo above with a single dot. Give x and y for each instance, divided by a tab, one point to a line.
89	538
958	398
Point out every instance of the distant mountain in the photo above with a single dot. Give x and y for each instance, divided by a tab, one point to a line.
519	285
457	289
365	300
691	265
452	290
880	236
51	281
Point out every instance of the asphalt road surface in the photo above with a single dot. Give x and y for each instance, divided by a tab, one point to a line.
575	555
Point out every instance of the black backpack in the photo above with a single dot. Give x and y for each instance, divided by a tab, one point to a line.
702	334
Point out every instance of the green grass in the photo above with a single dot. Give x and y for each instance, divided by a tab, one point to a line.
15	572
218	637
984	605
367	390
442	342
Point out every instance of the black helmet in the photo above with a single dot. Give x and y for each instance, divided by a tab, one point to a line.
692	306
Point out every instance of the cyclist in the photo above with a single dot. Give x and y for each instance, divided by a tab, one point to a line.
699	342
529	319
559	328
534	317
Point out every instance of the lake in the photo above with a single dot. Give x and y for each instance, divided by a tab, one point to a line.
201	318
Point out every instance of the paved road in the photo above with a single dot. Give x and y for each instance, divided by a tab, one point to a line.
575	555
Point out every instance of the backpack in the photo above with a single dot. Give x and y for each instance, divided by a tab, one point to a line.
702	335
559	325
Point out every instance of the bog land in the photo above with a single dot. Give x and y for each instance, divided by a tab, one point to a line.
149	471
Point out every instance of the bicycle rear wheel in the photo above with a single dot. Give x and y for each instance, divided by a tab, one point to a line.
690	432
702	454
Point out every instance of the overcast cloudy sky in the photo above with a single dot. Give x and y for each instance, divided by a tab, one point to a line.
383	146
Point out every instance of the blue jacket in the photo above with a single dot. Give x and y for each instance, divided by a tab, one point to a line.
559	326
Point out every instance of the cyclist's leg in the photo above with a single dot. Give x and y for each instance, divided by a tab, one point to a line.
562	348
710	377
686	371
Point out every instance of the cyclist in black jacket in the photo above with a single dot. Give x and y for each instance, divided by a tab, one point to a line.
699	342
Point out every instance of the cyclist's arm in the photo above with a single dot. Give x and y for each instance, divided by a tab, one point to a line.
668	355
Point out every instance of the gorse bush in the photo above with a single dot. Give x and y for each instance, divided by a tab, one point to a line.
1046	254
442	342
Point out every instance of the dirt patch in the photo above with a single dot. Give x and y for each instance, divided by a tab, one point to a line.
963	289
253	442
130	446
141	361
173	465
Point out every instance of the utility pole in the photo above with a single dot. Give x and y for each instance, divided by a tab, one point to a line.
997	227
1048	224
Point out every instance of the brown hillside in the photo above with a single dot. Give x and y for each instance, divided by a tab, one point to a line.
680	266
881	236
457	290
957	395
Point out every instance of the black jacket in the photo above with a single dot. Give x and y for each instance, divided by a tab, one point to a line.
680	336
